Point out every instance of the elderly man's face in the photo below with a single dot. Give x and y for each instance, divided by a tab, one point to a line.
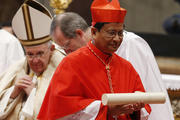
38	57
109	38
67	44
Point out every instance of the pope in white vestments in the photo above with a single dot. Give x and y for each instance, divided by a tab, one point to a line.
11	109
137	51
24	84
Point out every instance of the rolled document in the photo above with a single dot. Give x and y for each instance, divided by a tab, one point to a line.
131	98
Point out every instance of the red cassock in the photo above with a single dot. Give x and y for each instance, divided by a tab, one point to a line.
81	78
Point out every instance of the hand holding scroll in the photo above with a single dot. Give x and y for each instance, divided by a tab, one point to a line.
117	110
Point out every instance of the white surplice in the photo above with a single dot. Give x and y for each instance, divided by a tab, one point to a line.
10	50
136	50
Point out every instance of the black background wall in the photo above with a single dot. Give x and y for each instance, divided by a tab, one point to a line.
163	45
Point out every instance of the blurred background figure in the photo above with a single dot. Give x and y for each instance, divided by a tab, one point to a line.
178	1
172	24
10	47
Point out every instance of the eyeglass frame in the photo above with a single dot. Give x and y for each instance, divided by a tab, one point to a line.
66	45
38	55
112	33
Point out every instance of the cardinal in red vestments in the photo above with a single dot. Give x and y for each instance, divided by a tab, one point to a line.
83	76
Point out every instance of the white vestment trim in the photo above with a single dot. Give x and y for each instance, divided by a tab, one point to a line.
171	81
89	113
28	108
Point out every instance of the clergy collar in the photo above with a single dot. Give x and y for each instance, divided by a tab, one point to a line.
103	56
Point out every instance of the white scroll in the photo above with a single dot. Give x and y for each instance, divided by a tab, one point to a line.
131	98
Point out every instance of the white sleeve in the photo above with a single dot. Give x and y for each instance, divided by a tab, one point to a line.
5	99
89	113
6	103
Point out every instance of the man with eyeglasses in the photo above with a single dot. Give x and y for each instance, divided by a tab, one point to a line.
70	31
85	74
23	86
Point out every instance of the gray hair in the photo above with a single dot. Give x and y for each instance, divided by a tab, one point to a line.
68	22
